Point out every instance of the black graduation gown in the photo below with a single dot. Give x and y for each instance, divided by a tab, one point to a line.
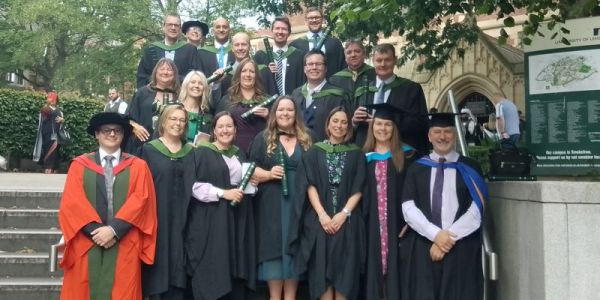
219	238
294	73
356	89
374	280
459	275
334	52
208	59
413	123
141	111
186	60
331	260
173	180
315	116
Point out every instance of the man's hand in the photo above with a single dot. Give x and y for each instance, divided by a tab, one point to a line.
436	253
360	115
103	235
110	243
445	240
273	68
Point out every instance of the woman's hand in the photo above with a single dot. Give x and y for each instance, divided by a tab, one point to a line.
337	221
233	195
326	223
276	172
261	112
140	132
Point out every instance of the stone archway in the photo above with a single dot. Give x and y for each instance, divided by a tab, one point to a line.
463	86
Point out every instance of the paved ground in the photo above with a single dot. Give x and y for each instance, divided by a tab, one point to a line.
32	182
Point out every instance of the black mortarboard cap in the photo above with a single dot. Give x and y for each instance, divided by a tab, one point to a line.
385	111
442	119
188	24
104	118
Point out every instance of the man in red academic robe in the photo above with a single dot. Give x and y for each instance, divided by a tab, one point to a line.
108	217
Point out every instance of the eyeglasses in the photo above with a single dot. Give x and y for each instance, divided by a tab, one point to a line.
172	25
313	18
108	131
317	64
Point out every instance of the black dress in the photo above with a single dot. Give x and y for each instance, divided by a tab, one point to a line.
219	238
459	275
173	175
331	260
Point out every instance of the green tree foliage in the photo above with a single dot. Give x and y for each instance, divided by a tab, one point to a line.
433	29
76	45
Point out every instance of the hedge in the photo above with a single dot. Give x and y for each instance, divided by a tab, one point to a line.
19	111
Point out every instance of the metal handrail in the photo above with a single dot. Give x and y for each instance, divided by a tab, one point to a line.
54	250
490	266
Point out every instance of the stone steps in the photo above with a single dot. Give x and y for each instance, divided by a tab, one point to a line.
38	240
29	199
30	288
26	265
25	218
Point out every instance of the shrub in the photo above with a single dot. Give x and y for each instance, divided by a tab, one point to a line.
19	112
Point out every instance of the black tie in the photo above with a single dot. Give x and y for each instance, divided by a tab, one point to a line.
436	198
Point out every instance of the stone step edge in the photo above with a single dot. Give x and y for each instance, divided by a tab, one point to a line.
12	231
9	210
30	281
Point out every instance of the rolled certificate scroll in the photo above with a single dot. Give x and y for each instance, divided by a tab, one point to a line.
216	77
267	102
281	161
245	181
269	50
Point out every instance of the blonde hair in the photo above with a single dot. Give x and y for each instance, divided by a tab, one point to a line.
167	111
204	101
395	145
271	138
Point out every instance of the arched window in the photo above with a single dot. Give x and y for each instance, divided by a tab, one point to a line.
479	105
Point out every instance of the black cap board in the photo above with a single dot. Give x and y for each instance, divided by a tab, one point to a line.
442	119
188	24
385	111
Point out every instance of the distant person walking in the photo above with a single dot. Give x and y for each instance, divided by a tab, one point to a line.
507	120
45	151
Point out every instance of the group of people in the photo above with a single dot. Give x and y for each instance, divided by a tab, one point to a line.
273	175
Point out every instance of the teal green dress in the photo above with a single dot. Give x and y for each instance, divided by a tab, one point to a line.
280	268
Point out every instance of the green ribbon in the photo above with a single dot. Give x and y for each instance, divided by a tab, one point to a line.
332	91
329	148
233	149
162	45
348	74
102	262
185	149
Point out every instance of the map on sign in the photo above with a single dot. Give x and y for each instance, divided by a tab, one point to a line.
564	72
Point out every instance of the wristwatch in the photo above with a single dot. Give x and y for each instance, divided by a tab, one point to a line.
347	212
220	193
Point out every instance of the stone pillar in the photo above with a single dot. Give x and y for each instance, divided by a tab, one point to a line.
547	237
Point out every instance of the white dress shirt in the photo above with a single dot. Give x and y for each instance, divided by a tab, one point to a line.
217	45
463	226
311	91
169	54
310	35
